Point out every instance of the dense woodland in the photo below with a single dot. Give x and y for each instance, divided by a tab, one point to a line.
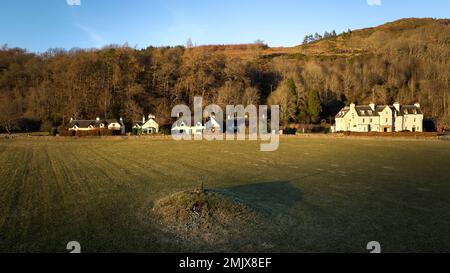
405	61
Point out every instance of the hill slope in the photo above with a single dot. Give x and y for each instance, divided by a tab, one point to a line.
406	61
392	35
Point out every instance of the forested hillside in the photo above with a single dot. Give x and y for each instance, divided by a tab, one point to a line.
406	61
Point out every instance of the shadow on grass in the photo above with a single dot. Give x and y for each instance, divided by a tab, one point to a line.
272	197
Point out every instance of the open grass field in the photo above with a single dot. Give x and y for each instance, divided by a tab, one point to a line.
316	194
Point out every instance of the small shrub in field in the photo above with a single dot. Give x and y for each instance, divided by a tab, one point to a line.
205	217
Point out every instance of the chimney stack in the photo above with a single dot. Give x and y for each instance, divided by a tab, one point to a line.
97	119
122	126
372	106
352	105
143	119
417	105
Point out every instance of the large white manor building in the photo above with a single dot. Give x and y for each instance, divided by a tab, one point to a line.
380	118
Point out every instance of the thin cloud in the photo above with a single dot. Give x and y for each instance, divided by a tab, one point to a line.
73	2
96	38
374	2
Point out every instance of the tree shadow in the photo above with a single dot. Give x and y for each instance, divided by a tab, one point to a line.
272	197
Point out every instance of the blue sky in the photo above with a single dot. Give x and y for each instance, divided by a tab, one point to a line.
39	25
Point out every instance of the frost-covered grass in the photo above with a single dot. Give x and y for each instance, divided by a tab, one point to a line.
323	194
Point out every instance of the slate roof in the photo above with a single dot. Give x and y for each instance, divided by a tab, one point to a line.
95	123
366	110
380	108
410	110
343	112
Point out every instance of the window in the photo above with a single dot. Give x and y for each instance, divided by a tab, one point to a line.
386	120
414	120
370	120
364	120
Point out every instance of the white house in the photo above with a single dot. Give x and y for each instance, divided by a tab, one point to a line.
379	118
210	126
149	126
197	129
87	125
181	128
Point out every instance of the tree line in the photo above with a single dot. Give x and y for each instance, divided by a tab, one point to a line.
310	38
39	91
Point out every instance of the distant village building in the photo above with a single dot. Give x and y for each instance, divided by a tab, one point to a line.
181	128
149	126
197	129
211	126
380	118
87	125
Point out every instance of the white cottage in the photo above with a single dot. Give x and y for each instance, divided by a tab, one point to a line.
212	126
197	129
380	118
181	128
149	126
88	125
